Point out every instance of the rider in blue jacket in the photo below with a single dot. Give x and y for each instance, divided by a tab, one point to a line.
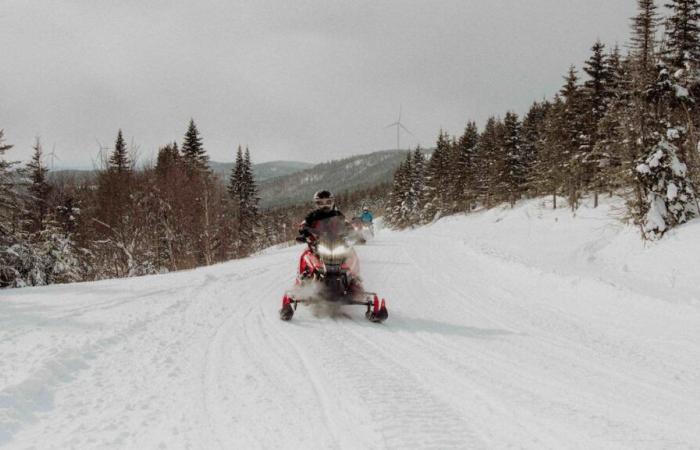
366	216
367	219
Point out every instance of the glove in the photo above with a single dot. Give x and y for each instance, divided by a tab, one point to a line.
301	239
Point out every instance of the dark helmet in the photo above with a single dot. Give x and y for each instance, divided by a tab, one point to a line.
324	200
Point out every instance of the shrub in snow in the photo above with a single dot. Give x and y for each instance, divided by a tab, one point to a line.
670	198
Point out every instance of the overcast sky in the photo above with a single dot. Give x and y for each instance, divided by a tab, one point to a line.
308	80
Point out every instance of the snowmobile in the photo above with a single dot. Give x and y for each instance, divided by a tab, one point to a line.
329	274
361	231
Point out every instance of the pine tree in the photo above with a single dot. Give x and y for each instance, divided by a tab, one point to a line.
243	193
670	197
400	187
531	134
576	138
488	161
235	181
251	224
597	92
39	191
168	158
512	177
417	190
119	160
464	184
643	40
437	178
193	153
10	211
550	169
682	33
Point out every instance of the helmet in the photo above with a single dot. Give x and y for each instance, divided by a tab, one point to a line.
365	208
324	200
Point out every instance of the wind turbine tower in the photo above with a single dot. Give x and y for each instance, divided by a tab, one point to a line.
53	156
399	126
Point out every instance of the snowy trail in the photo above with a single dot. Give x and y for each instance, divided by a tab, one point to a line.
485	347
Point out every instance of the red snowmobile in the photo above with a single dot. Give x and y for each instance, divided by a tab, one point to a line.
329	274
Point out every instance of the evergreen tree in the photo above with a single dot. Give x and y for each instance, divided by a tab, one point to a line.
682	33
531	134
576	138
168	158
464	184
235	181
10	232
119	160
488	161
251	214
243	193
553	153
193	153
598	93
670	197
437	178
398	217
512	177
416	195
39	191
643	40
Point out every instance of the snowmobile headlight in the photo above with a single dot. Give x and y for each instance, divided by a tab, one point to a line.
340	250
323	250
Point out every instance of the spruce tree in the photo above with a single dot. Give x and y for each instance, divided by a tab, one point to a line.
8	193
39	191
251	214
119	160
643	40
531	134
464	183
512	177
576	138
193	153
437	178
417	190
597	92
168	158
682	33
488	161
670	197
398	210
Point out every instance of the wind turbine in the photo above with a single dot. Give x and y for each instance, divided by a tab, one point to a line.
53	156
399	126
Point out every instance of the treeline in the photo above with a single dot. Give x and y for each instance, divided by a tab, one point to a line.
631	127
174	215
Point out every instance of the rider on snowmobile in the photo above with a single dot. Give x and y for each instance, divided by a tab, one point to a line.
325	209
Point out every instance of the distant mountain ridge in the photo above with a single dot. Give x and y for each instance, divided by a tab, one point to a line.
262	171
348	174
282	183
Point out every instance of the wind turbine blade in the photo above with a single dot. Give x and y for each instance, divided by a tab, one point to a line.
406	130
400	109
392	125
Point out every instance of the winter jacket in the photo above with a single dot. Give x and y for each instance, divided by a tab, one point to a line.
367	216
313	218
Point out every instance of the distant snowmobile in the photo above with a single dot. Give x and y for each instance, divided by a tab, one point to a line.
361	231
329	274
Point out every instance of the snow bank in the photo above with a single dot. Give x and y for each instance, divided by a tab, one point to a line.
593	242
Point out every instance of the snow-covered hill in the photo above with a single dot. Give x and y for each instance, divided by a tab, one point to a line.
522	328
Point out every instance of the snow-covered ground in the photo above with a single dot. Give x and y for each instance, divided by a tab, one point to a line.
522	328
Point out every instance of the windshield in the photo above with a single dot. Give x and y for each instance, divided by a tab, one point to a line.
332	228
